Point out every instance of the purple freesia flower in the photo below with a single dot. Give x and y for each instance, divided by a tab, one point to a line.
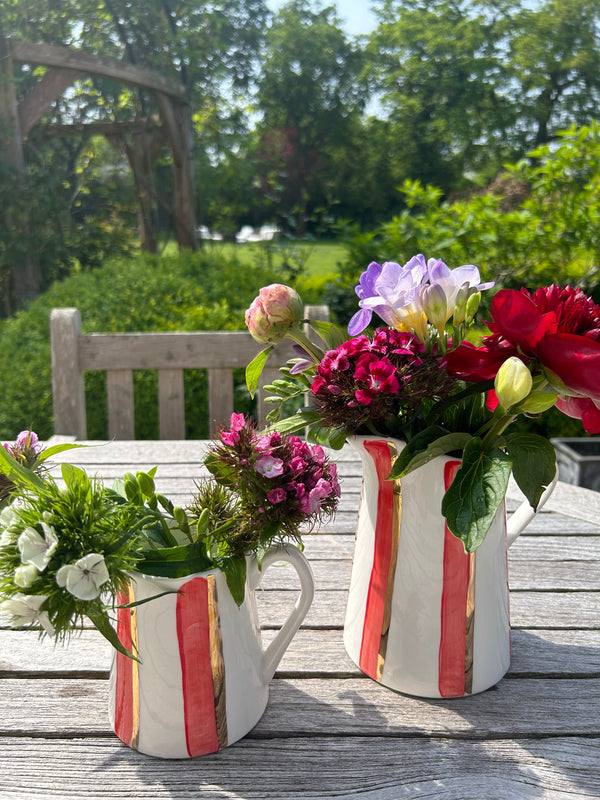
451	281
400	295
391	292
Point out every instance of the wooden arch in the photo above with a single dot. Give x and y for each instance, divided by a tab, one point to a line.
65	66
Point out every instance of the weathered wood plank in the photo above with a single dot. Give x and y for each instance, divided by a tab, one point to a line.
119	393
315	768
171	404
220	398
312	653
337	706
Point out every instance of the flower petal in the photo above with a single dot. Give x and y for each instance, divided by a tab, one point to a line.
575	360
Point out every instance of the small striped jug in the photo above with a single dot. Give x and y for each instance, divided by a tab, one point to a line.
423	616
202	680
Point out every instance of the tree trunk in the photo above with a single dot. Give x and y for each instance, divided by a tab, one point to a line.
177	122
25	276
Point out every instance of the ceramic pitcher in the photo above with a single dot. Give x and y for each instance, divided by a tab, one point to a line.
423	616
202	679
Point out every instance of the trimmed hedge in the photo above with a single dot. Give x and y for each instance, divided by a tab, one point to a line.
190	291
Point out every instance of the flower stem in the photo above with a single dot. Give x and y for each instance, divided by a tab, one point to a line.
296	335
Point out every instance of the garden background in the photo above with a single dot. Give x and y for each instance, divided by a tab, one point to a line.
462	130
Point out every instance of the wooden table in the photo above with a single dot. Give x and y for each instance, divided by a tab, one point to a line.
330	732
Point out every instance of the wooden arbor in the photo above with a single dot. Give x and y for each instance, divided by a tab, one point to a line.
65	66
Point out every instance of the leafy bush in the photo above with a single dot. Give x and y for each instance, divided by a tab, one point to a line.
538	223
184	292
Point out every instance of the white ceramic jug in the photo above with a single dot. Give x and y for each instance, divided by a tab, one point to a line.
423	616
202	678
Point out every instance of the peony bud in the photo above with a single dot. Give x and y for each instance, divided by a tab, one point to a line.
271	315
513	382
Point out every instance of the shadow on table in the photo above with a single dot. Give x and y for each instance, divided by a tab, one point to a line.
367	740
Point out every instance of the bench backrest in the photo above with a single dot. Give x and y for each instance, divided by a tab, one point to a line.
219	352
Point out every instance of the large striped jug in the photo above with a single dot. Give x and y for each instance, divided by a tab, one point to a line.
202	680
423	616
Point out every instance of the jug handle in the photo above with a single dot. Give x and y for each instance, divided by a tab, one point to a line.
525	513
277	647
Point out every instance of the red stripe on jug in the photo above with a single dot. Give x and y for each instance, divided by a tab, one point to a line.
455	588
124	680
193	633
374	613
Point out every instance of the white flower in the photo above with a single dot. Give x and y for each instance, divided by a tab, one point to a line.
9	521
25	610
35	548
84	578
25	575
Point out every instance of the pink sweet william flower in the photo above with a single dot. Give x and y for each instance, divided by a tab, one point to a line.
230	438
238	422
269	466
379	376
276	495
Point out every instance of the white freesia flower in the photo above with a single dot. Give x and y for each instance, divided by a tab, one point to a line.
25	575
84	578
35	548
25	610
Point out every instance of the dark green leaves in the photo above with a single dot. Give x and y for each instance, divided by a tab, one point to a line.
534	464
235	575
424	447
477	490
176	562
255	368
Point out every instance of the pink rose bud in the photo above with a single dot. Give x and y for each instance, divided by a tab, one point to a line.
276	309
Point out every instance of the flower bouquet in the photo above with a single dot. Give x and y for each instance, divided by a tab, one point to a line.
67	550
419	379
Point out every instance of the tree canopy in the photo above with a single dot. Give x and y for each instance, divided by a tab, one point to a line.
289	119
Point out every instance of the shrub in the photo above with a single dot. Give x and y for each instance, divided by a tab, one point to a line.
184	292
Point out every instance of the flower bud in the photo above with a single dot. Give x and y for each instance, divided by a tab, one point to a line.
270	316
25	575
472	305
513	382
434	304
460	305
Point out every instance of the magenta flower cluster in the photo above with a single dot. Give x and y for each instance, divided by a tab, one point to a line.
368	379
281	481
25	449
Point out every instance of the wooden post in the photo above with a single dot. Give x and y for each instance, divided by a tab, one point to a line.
68	391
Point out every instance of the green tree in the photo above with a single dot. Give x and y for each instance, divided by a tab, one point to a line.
555	60
439	69
307	96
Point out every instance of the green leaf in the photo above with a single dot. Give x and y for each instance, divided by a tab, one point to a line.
222	472
101	622
17	473
235	575
299	420
424	447
75	478
255	368
332	335
48	452
534	464
477	490
176	562
327	436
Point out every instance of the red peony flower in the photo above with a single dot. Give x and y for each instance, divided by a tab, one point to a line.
558	328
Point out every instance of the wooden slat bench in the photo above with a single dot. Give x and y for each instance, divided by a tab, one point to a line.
219	352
